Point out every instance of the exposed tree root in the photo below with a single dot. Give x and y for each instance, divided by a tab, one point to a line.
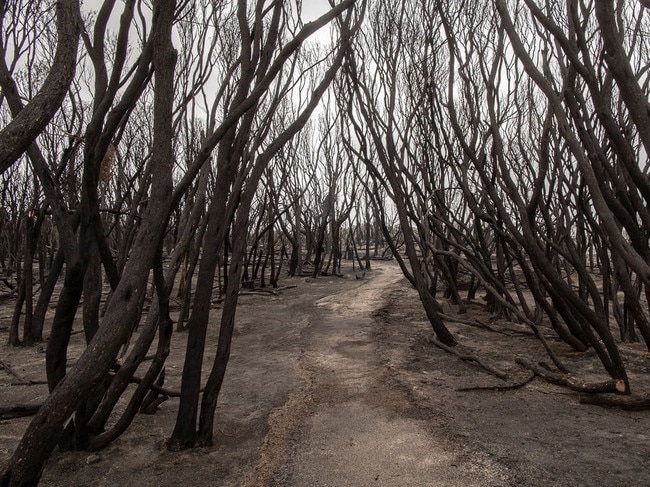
158	389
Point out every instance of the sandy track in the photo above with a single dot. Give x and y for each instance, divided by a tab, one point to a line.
350	425
334	383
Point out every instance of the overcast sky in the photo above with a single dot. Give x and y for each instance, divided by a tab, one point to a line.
312	9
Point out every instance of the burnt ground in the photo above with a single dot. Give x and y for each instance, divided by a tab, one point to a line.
334	382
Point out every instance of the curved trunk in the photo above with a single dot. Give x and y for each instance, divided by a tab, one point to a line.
18	135
26	464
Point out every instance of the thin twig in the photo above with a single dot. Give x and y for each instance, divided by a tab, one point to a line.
470	358
516	385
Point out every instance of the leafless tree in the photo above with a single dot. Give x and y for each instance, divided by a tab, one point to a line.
380	119
243	154
31	119
502	135
502	148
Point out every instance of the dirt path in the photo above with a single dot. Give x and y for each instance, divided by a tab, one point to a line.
380	406
334	383
350	424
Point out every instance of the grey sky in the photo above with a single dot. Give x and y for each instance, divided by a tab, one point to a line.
311	10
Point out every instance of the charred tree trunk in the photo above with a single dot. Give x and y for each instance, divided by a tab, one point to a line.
44	297
19	134
25	466
28	279
184	434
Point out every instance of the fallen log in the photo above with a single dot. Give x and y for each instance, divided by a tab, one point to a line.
158	389
29	383
263	291
284	288
569	381
260	291
465	321
12	372
627	403
508	387
18	411
153	399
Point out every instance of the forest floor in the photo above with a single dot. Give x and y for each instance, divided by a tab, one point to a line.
334	382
